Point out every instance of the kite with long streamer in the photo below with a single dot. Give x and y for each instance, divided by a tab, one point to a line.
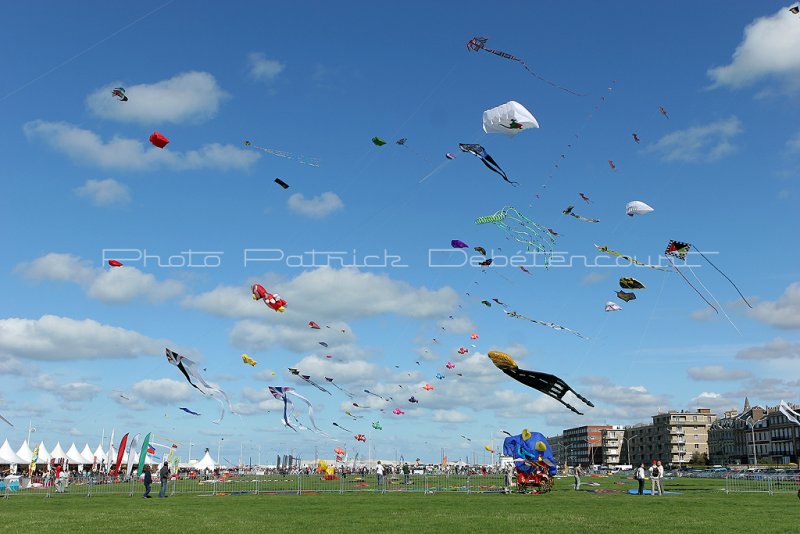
568	211
604	248
522	230
190	371
491	164
282	393
299	158
307	379
340	388
554	326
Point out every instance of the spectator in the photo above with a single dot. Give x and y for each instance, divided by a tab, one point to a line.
655	479
578	473
407	473
639	476
379	472
163	476
148	480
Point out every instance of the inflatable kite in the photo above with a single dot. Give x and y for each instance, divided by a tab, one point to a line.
630	283
190	412
190	371
487	160
428	387
413	400
473	336
119	92
533	460
450	365
361	437
274	302
550	385
637	207
248	360
508	119
114	263
158	140
462	350
398	411
377	425
627	297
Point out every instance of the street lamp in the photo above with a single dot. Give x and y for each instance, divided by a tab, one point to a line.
219	446
628	446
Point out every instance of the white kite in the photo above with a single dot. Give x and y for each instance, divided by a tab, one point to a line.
637	207
611	306
509	119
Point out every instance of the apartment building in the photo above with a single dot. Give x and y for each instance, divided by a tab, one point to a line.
673	437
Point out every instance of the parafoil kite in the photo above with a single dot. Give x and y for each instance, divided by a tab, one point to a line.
630	283
114	263
637	207
119	92
487	160
508	119
457	243
312	324
248	360
377	141
611	306
158	140
273	301
550	385
522	229
187	410
281	183
478	43
190	371
627	297
398	411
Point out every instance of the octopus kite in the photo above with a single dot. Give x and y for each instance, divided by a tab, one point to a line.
487	160
522	230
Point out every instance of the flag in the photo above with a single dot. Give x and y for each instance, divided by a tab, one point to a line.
120	454
143	456
151	450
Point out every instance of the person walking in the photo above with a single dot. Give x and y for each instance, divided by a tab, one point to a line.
163	476
640	476
148	480
578	473
655	479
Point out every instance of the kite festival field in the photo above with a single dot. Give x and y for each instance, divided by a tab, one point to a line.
701	505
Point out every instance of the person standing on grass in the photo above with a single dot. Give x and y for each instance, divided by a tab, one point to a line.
163	476
578	473
379	472
639	476
661	477
655	479
407	473
148	480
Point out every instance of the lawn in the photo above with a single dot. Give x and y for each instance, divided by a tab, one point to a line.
700	507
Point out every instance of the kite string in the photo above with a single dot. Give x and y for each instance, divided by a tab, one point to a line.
635	358
714	299
690	284
726	277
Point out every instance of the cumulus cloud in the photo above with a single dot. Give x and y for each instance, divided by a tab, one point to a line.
117	285
262	68
11	366
88	148
71	391
106	192
449	416
777	349
186	97
717	372
163	390
717	402
257	335
60	338
594	277
707	143
768	50
318	207
783	313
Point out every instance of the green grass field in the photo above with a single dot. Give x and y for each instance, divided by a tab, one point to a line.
701	507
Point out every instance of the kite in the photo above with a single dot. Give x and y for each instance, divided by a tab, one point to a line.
627	297
450	156
607	250
377	425
114	263
313	162
550	385
611	164
637	207
462	350
281	183
465	437
398	411
636	138
450	365
533	460
330	381
323	344
124	397
282	393
498	301
248	360
413	400
428	387
377	141
487	160
553	232
361	437
486	263
340	451
119	92
274	302
611	306
158	140
554	326
481	250
477	43
307	378
473	336
522	230
7	421
663	111
795	10
630	283
584	197
568	211
187	410
789	412
312	324
524	270
376	395
190	371
680	250
457	243
340	426
353	416
489	449
440	376
401	141
508	119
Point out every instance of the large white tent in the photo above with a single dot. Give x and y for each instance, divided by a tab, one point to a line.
25	452
8	456
100	454
43	456
58	453
74	457
88	455
205	463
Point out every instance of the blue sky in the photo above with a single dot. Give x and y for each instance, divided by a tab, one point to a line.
320	80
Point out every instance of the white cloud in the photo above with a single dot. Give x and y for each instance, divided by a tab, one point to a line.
717	372
717	402
706	143
768	50
86	147
777	349
358	294
11	366
117	285
71	391
262	68
318	207
186	97
106	192
163	390
594	277
783	313
257	335
449	416
61	338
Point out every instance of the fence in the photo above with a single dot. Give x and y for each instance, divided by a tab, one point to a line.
771	484
255	484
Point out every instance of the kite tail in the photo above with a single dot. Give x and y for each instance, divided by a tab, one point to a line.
726	277
690	285
494	218
549	82
715	300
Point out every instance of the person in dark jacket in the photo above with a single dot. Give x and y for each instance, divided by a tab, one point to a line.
148	480
163	476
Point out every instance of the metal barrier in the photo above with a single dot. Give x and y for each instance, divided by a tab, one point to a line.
756	483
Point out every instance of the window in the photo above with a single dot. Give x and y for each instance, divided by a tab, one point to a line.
694	418
696	446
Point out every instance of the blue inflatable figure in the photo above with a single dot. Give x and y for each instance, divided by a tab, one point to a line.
533	461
